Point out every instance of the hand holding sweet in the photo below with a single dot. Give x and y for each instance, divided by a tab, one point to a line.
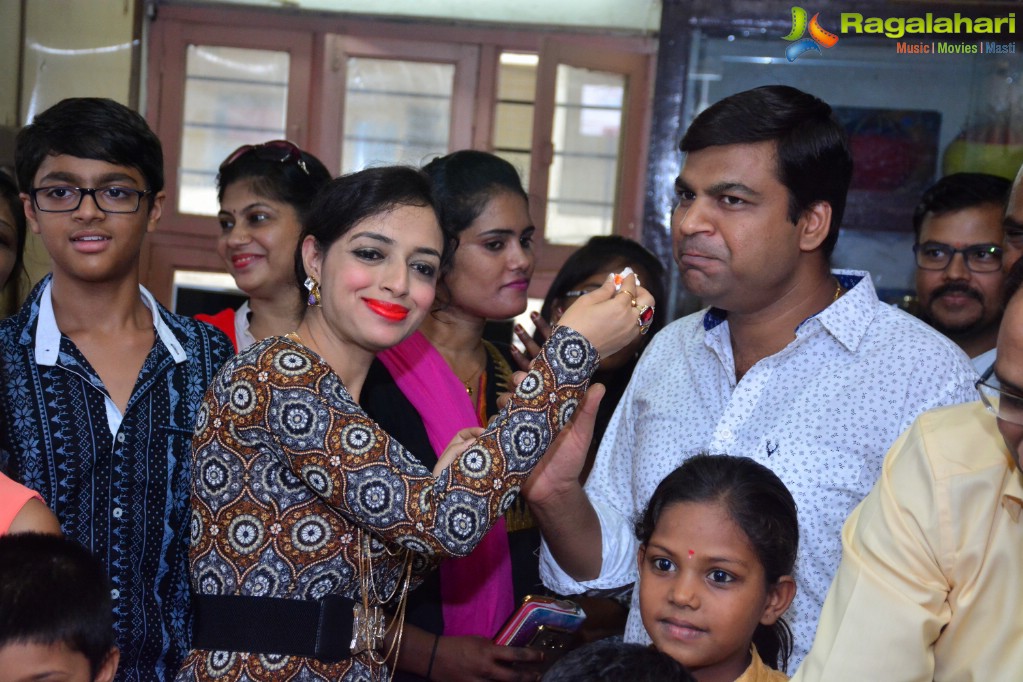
613	315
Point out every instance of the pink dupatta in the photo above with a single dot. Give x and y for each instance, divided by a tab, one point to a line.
476	591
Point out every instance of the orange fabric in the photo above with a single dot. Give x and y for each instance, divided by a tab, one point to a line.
13	497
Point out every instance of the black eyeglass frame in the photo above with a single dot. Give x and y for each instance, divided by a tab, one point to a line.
992	249
985	398
268	151
576	293
88	191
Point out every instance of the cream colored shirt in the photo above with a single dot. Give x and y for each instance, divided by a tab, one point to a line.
931	581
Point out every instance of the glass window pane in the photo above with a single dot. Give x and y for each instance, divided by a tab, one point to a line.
587	142
521	162
233	97
513	126
395	112
513	113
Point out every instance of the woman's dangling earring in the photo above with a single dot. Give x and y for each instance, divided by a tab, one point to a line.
314	291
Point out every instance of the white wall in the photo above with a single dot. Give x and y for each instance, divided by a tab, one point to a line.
629	15
75	49
10	37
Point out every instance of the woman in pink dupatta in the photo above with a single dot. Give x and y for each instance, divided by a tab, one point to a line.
449	376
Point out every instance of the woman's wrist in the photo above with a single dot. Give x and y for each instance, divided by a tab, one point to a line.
433	657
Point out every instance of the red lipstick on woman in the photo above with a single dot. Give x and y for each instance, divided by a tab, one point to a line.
388	311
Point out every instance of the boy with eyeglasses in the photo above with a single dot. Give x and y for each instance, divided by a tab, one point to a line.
958	226
99	383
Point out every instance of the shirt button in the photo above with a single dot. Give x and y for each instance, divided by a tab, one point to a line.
726	434
115	594
120	438
118	512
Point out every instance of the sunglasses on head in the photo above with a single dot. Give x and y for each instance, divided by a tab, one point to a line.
280	151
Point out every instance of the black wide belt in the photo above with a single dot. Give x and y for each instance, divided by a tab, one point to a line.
271	625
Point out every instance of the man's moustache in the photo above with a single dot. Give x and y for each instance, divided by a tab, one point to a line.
956	288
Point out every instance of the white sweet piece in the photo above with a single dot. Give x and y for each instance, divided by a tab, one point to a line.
620	277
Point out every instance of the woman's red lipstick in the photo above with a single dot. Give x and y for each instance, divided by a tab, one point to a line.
388	311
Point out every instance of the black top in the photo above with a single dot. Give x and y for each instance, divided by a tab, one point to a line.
388	406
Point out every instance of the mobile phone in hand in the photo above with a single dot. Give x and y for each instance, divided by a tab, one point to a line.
536	611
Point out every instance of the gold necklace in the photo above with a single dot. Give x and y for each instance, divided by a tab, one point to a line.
468	383
838	290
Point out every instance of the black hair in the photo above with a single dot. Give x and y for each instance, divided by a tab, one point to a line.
54	591
293	182
759	504
612	660
958	191
90	128
465	181
596	256
346	201
9	195
814	162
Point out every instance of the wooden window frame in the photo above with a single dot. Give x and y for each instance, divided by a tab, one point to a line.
316	41
339	47
628	201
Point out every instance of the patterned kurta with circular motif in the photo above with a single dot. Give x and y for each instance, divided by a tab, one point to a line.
287	469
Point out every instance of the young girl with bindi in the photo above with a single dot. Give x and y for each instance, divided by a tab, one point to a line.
717	548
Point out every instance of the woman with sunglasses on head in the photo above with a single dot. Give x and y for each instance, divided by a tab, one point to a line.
308	518
264	191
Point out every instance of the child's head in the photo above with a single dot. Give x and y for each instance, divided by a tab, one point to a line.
55	610
612	660
90	128
717	550
586	269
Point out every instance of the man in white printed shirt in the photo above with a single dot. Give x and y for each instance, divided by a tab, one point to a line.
798	367
928	589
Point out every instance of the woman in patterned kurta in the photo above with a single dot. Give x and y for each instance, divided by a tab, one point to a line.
288	471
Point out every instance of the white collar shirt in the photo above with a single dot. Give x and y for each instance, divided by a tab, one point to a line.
242	333
821	413
47	342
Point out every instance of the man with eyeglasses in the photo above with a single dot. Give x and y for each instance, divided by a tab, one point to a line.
958	249
929	585
99	383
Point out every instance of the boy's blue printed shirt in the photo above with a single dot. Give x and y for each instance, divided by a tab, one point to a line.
123	496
